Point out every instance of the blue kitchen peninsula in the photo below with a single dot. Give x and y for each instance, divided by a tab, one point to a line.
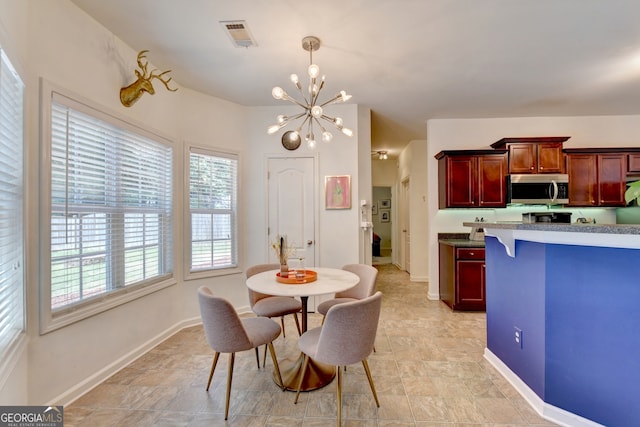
563	318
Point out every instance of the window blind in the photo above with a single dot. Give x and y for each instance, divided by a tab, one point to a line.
213	192
111	206
12	312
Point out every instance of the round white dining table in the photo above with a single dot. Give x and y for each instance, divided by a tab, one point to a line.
328	281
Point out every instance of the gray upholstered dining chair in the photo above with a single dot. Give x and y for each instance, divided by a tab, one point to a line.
227	333
272	306
346	337
365	288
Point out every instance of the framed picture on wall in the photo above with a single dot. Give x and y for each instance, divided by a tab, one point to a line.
385	204
374	209
384	216
337	191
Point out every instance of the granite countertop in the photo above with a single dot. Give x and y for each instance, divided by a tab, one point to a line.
460	240
463	243
559	227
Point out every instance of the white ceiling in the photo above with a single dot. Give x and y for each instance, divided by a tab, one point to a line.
407	60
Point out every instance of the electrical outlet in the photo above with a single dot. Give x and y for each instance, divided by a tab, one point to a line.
518	336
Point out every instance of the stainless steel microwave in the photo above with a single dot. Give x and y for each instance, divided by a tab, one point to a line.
538	189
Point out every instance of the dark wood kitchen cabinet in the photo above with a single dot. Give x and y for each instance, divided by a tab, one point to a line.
534	154
472	178
634	163
462	277
596	179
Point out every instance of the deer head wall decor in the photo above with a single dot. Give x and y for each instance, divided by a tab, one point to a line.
130	94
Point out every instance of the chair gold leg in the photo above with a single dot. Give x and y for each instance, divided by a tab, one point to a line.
295	316
213	368
305	364
339	395
232	357
373	388
264	357
284	335
275	364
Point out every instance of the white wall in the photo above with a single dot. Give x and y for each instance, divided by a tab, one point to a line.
462	134
384	172
413	165
365	189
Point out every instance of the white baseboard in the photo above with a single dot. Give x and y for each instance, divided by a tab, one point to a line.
433	296
546	411
96	379
414	278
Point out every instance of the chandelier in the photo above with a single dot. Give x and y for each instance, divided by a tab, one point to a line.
313	110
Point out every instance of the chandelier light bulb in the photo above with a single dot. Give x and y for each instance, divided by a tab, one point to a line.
296	81
282	118
327	136
311	140
344	96
273	129
316	111
347	131
314	71
338	122
278	92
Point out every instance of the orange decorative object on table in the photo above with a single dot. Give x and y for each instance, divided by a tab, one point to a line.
309	276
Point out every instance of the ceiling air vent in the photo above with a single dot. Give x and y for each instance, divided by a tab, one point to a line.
239	33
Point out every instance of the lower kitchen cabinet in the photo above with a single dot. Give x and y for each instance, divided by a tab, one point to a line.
462	276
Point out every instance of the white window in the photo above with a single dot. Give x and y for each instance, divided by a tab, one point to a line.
213	193
111	210
12	308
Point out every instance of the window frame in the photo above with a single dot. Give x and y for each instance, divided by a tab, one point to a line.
50	320
211	272
16	345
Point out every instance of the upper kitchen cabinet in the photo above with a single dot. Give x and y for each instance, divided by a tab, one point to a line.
596	179
534	154
472	178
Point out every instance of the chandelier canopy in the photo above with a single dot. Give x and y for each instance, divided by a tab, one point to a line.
313	110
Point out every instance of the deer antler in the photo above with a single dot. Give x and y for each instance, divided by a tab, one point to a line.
131	93
165	82
143	67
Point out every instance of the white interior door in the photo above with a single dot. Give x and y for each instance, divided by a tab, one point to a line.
291	201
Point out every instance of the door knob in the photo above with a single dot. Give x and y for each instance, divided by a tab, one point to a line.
309	242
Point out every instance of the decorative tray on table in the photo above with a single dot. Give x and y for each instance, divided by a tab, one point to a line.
309	276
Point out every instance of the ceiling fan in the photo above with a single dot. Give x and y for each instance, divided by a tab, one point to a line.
382	155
